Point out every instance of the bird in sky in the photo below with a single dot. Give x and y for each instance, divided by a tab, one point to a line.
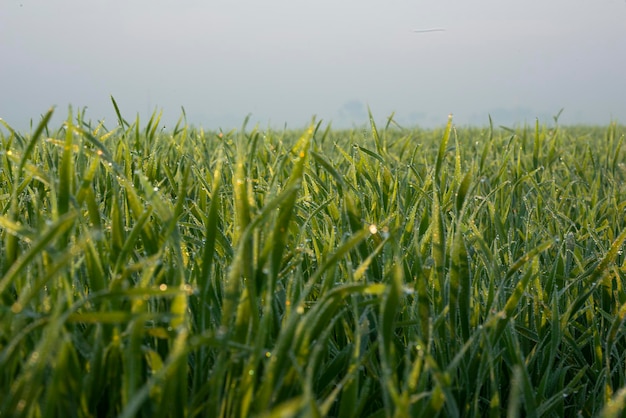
429	30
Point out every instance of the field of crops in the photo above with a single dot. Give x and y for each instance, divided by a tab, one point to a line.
378	272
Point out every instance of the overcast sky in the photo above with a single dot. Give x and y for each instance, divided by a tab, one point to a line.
284	61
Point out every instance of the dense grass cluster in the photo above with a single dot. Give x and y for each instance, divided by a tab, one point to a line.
365	273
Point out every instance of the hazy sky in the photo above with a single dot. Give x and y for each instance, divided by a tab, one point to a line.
285	61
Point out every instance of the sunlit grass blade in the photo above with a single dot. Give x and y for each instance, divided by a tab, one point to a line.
33	140
598	276
616	406
443	148
392	302
438	251
120	120
380	147
279	240
66	171
460	286
210	232
513	301
11	244
57	229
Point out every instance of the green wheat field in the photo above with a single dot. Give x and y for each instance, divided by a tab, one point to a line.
374	272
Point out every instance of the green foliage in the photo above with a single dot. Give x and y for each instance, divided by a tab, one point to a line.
454	272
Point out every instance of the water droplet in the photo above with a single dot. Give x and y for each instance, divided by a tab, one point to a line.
221	332
21	405
429	262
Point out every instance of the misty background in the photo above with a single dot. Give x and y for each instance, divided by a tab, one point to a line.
285	61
